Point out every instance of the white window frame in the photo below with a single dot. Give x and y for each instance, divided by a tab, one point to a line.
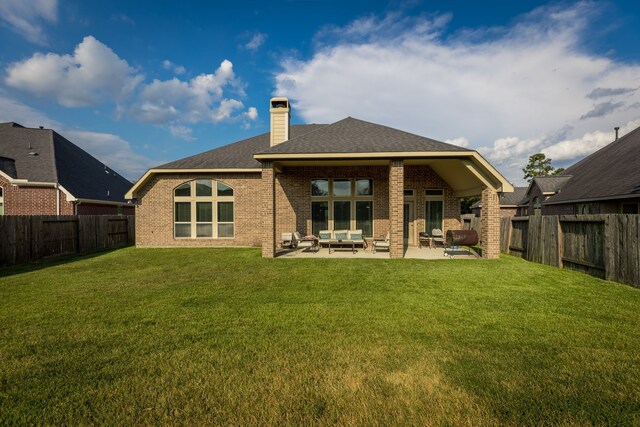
193	199
353	198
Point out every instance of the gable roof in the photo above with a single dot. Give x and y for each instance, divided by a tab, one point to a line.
44	156
507	199
609	173
549	184
351	135
238	155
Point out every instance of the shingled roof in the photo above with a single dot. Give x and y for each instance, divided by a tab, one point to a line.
351	135
238	155
609	173
43	155
551	184
508	199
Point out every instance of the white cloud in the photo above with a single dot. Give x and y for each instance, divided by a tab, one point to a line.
201	99
176	69
25	17
93	75
256	41
182	132
513	90
111	149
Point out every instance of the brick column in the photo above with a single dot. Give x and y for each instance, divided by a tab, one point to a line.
268	211
396	208
490	224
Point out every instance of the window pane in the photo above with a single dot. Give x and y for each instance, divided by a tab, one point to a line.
364	187
341	215
225	211
204	230
320	187
342	187
204	212
183	230
183	212
225	230
433	215
203	187
408	193
319	217
183	190
630	208
364	218
224	190
430	192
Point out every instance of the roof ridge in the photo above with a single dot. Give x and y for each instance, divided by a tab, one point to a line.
320	127
53	153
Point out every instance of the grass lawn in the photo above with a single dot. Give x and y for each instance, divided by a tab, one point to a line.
221	336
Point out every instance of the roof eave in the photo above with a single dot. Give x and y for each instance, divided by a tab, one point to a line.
592	199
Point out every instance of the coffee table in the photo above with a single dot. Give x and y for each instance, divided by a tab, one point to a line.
341	243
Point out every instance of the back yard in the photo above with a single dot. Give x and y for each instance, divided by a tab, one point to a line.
194	336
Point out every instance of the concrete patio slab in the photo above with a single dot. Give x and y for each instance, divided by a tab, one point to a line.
411	252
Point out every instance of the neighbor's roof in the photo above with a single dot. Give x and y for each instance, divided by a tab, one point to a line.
550	184
238	155
57	161
609	173
358	136
507	199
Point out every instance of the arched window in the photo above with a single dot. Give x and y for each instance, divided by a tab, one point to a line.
203	209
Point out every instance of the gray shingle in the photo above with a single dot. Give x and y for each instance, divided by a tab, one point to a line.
551	184
238	155
59	161
508	199
358	136
612	171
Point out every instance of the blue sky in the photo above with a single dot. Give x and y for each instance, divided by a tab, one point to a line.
141	83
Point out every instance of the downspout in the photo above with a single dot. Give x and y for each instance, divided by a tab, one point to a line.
57	199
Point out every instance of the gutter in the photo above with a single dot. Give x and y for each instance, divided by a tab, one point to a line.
594	199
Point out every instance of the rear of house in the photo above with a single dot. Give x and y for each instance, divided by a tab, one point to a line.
350	174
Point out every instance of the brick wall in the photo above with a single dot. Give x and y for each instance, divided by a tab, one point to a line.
33	200
396	208
154	214
267	185
490	224
420	178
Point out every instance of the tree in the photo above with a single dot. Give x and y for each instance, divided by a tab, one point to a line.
539	165
466	202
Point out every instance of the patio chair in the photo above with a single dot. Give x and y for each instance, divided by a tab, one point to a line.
287	240
303	243
381	244
437	237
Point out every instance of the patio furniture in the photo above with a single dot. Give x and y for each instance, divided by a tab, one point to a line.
307	242
381	244
327	236
286	240
342	243
437	237
424	240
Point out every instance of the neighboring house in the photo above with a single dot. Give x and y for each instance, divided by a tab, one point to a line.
607	181
42	173
540	189
509	203
350	174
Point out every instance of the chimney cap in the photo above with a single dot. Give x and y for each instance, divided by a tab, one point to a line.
279	102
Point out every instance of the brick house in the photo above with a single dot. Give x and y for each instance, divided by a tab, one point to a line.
42	173
345	175
539	191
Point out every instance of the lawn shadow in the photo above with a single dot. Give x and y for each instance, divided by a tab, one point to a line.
52	262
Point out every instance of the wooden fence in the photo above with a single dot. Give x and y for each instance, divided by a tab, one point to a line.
28	238
606	246
471	222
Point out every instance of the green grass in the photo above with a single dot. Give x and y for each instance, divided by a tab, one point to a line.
207	336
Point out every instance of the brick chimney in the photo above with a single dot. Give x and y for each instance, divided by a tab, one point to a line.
280	118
